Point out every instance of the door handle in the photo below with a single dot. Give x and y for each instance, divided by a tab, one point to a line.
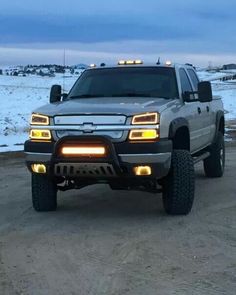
208	109
199	110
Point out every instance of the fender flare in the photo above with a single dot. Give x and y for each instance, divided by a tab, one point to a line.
175	125
219	116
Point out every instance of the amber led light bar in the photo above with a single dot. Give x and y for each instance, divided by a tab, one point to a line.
130	62
83	151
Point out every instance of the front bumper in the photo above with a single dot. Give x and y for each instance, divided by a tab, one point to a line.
123	157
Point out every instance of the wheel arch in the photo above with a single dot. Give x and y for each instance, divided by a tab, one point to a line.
220	123
179	134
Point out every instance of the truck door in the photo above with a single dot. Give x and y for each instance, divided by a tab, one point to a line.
207	114
192	111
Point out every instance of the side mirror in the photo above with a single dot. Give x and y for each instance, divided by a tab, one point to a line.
55	93
204	91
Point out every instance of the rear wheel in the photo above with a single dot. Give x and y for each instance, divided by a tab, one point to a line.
178	186
215	163
44	193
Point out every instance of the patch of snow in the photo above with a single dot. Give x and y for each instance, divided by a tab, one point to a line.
13	142
18	97
207	76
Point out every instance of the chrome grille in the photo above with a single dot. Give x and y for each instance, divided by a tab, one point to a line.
94	120
84	170
112	134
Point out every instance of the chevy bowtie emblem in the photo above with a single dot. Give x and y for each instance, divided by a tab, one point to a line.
88	128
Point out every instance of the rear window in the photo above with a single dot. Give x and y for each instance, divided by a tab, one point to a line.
135	81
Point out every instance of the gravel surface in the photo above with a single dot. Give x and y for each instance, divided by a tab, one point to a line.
106	242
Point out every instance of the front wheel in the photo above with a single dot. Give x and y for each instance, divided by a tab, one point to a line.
215	163
179	185
44	193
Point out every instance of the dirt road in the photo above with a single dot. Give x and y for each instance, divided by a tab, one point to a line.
105	242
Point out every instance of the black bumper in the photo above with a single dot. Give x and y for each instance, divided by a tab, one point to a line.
122	156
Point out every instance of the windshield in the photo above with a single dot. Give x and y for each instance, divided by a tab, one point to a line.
126	82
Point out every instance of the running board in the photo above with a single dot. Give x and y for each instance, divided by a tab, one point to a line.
201	157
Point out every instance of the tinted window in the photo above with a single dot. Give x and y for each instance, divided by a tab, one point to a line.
194	78
127	81
185	83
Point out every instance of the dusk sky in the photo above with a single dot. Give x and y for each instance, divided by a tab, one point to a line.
192	31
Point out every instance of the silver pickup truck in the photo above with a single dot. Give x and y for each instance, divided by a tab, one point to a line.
134	126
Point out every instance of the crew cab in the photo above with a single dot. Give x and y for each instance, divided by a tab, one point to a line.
133	126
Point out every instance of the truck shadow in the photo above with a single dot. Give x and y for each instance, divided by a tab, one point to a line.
98	207
100	200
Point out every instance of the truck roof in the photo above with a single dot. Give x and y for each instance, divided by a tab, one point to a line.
140	63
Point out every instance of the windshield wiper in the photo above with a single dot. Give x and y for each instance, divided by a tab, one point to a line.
131	94
87	96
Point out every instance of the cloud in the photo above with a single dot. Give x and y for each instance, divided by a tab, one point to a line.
86	29
109	52
145	28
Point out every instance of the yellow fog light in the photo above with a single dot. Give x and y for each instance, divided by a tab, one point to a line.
143	134
142	170
39	168
40	134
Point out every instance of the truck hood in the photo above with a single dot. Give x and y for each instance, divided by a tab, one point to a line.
107	105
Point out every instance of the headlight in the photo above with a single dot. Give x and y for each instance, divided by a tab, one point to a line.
146	119
143	134
39	120
40	134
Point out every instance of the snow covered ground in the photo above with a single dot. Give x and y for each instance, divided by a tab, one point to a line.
20	95
227	90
